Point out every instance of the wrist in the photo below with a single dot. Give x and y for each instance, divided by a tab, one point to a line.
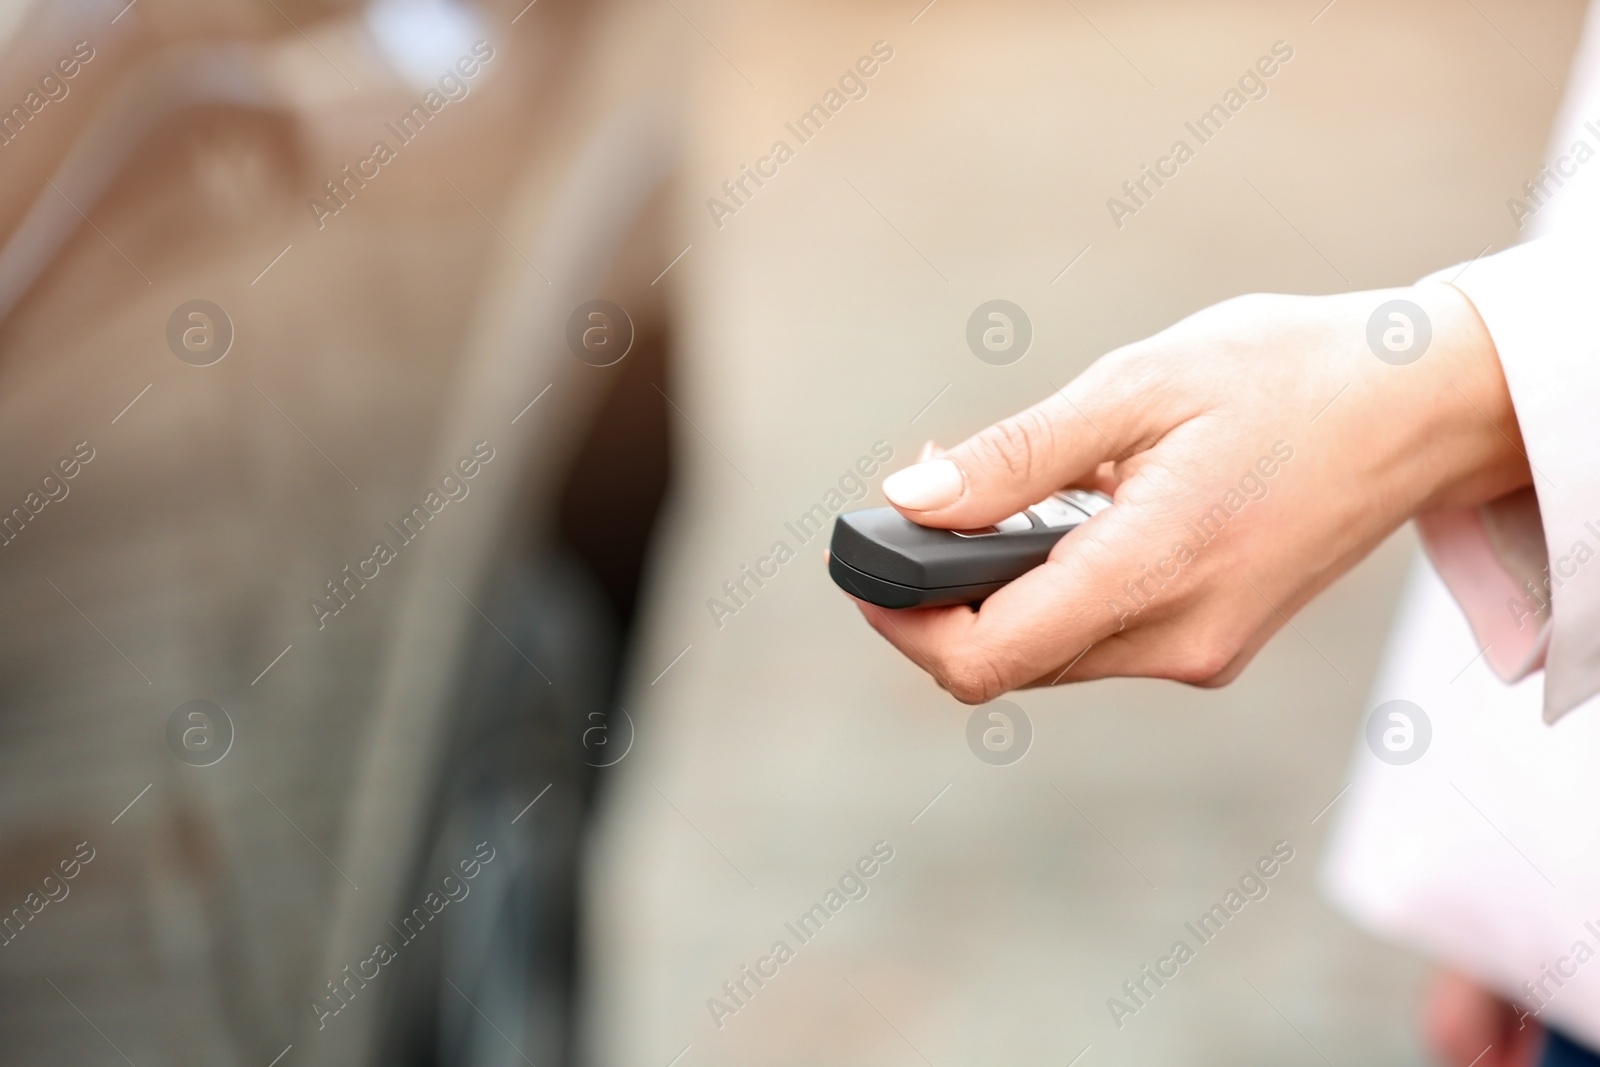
1470	437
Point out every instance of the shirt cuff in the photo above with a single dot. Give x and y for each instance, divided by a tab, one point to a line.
1511	626
1538	302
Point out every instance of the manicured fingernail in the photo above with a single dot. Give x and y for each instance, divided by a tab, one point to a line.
924	486
929	450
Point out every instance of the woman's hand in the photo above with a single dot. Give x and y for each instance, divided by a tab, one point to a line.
1465	1025
1256	451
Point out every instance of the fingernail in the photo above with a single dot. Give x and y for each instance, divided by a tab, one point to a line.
928	451
924	486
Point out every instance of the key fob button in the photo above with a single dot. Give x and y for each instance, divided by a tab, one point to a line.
1090	502
1017	523
1055	512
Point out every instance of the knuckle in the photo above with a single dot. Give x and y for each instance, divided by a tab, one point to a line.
1019	445
971	679
1205	657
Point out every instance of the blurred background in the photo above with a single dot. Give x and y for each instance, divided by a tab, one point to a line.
534	779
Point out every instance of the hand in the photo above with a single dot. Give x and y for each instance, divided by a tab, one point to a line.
1467	1026
1256	451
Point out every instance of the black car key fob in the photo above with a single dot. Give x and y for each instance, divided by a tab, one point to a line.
885	559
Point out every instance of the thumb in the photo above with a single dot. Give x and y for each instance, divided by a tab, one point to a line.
1014	463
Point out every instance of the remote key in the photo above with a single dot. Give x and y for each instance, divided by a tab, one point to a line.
882	557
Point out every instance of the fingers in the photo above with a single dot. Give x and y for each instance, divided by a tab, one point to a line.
1019	461
1169	649
1115	599
1468	1026
1021	632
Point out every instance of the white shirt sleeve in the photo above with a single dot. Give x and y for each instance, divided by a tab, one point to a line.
1521	566
1526	607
